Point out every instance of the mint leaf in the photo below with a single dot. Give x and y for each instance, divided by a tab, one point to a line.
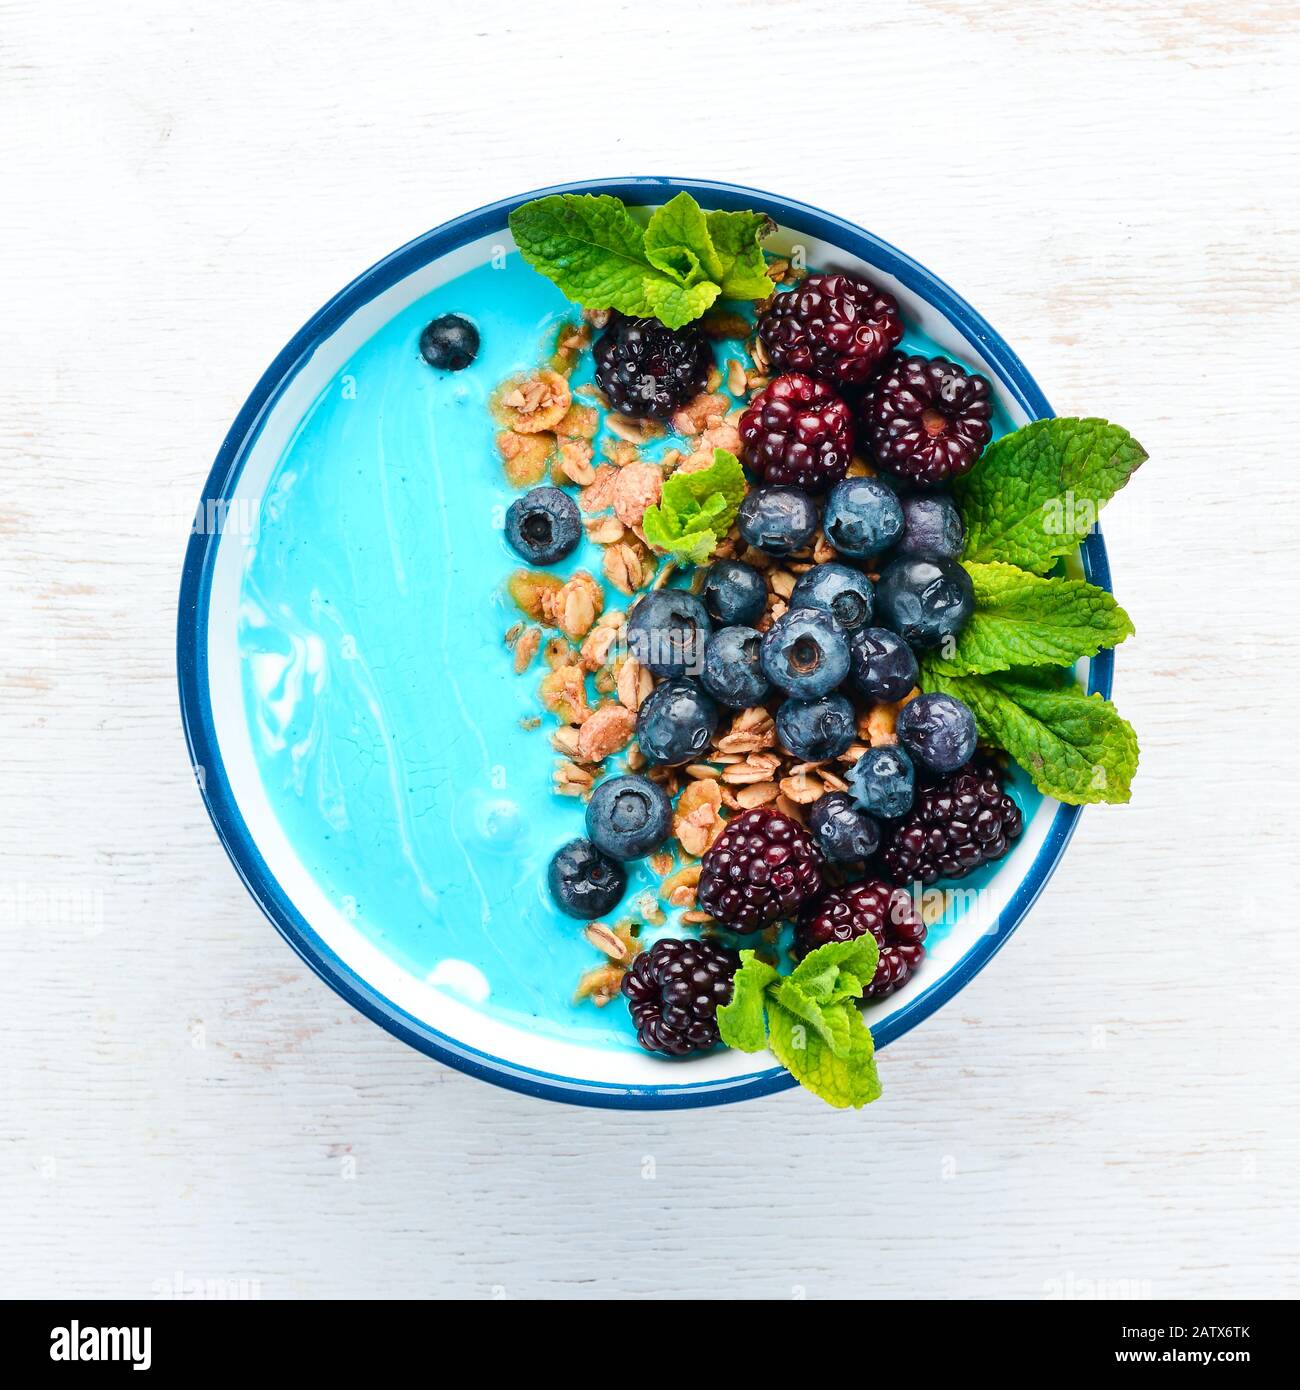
735	237
1036	493
696	509
599	255
723	478
810	1019
837	971
674	305
846	1079
590	246
827	1021
1021	619
692	548
1074	747
741	1022
677	240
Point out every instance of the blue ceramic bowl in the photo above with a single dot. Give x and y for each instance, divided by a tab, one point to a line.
351	711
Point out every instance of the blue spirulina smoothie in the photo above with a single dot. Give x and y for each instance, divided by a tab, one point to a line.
386	719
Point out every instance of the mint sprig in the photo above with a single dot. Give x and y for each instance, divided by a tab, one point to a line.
809	1019
696	509
1074	746
1036	493
1021	619
671	269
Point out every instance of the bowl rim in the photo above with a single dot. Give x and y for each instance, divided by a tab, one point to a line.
191	640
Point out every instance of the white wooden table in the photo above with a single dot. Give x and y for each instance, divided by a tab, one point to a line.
1111	1108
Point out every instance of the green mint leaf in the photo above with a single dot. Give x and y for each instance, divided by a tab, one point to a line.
741	1022
664	532
1021	619
847	1079
735	237
675	305
827	1021
591	247
696	509
677	240
599	255
1074	747
1036	493
837	971
724	478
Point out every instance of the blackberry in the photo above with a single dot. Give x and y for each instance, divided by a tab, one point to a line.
797	433
870	906
648	370
956	824
832	326
762	867
673	993
927	419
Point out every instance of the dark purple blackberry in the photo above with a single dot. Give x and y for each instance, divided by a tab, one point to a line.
673	993
870	906
762	867
797	433
955	825
832	326
927	419
648	370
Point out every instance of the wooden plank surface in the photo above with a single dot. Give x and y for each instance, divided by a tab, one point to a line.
1111	1108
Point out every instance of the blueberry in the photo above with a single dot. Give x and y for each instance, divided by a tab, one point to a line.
805	654
675	722
883	666
883	781
628	817
778	520
543	525
846	594
932	528
924	601
734	593
845	833
667	632
937	730
816	729
863	517
733	671
584	882
449	343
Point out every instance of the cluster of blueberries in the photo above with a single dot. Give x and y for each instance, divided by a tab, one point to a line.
841	633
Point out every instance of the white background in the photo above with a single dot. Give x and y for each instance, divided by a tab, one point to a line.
1111	1107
